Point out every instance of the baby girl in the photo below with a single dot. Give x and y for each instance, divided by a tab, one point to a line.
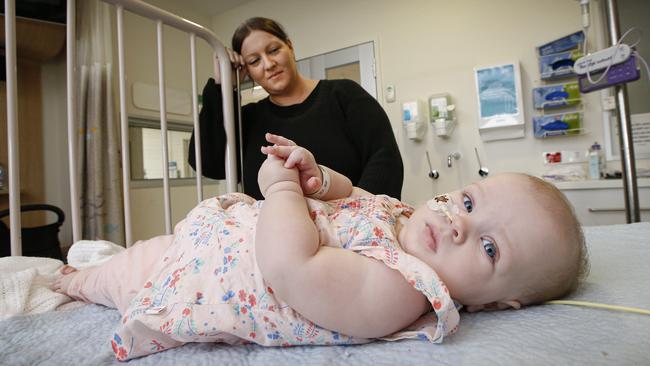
321	262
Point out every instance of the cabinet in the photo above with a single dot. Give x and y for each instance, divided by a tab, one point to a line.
602	202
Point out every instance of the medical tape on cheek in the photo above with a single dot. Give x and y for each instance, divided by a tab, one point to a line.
443	205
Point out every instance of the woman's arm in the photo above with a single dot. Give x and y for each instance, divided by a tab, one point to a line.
213	135
371	132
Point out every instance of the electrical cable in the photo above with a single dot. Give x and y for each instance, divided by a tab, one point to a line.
586	19
599	306
647	69
586	16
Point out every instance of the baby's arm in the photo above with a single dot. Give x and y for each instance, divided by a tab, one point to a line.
311	176
334	288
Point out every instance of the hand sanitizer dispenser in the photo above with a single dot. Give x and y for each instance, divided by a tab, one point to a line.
442	114
414	117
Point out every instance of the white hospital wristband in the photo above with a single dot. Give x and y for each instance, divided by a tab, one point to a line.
325	186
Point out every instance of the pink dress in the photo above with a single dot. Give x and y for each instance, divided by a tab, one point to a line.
207	287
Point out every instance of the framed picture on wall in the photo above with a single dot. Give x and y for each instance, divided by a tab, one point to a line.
500	106
640	124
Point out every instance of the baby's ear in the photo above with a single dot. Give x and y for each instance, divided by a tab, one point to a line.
510	304
501	305
474	308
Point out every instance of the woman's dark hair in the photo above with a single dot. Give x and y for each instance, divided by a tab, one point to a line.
257	23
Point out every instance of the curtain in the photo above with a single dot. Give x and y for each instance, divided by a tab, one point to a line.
98	139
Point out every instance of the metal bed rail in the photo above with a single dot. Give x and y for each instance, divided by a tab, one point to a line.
162	18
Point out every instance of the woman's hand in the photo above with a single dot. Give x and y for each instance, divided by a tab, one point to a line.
295	157
237	62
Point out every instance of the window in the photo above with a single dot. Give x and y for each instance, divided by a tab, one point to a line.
355	63
145	146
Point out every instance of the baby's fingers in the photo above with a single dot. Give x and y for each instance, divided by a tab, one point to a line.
279	140
312	185
298	157
279	151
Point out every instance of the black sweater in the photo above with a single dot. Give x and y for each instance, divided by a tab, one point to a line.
340	123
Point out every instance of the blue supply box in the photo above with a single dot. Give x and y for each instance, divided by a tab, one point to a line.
557	124
556	96
558	65
570	42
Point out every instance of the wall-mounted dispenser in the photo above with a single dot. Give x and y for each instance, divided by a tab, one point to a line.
441	114
414	116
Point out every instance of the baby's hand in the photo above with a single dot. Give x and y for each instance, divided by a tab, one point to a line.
274	176
296	157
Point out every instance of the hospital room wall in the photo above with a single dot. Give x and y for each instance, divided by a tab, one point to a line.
425	47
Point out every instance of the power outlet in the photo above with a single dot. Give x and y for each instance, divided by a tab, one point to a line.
390	93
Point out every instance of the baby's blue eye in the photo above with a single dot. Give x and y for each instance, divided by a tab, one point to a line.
467	202
490	248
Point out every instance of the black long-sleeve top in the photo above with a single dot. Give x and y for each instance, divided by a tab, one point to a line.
339	122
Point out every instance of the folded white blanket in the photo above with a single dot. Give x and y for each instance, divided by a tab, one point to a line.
26	285
26	282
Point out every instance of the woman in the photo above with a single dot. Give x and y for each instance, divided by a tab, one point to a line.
337	120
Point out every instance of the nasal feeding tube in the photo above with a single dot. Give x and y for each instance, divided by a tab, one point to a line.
443	205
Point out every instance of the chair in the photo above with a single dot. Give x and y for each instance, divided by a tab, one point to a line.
38	241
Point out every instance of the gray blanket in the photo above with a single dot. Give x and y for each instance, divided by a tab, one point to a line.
548	334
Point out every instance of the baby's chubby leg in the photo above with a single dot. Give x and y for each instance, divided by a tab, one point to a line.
117	281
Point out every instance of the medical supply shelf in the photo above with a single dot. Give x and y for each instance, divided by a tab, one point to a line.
557	99
598	184
559	124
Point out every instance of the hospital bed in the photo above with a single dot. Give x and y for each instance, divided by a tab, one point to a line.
547	334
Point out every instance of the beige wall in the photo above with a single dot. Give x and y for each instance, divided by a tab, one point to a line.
148	207
55	141
431	46
141	56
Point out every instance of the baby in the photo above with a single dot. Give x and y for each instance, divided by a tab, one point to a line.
341	267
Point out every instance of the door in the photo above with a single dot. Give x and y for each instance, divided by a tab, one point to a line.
355	63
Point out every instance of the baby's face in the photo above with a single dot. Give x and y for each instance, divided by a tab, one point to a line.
496	239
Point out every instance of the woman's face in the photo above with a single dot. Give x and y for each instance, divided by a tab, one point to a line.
269	61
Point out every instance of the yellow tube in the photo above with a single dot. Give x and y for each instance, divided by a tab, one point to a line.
599	306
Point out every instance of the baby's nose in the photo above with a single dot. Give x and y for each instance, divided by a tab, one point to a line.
458	229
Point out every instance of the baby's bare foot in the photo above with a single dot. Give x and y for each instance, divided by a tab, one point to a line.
63	282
